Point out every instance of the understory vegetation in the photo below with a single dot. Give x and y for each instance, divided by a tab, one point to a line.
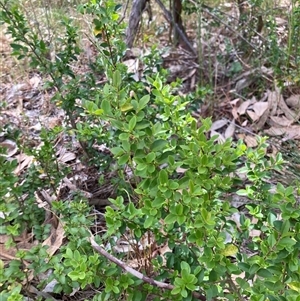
124	189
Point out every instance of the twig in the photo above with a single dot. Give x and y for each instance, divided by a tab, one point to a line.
124	12
169	18
135	273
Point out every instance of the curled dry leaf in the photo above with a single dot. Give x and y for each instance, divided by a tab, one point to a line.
218	124
230	130
273	100
243	107
291	115
220	138
11	147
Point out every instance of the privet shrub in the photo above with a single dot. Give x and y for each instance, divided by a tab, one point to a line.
174	208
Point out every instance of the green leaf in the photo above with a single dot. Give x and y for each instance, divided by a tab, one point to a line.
158	202
242	192
181	219
126	107
143	101
230	250
105	106
173	185
286	242
264	273
124	159
156	128
184	293
294	286
158	145
150	157
185	266
117	124
175	290
69	253
132	123
148	221
126	145
117	151
135	104
75	275
124	136
163	177
242	283
157	83
137	295
170	218
116	80
144	124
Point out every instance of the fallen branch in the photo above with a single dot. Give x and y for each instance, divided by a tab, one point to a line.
135	273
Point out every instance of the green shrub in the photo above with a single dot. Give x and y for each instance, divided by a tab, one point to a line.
175	183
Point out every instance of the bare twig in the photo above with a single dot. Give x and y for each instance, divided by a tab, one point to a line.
124	12
135	273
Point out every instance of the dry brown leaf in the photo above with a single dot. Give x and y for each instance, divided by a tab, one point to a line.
181	170
241	136
292	132
250	141
24	161
55	240
66	157
218	124
244	123
291	115
293	101
220	138
34	81
264	117
243	83
7	254
243	107
230	130
253	115
11	147
235	102
273	100
280	121
259	108
234	113
274	131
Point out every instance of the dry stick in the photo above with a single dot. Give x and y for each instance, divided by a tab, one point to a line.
135	273
169	18
124	13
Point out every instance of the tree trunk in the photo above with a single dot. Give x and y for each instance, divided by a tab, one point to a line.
134	19
177	9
